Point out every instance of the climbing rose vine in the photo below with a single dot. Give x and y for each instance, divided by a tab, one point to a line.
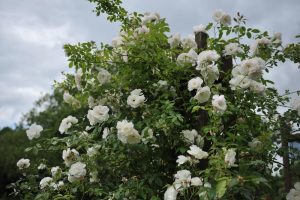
160	116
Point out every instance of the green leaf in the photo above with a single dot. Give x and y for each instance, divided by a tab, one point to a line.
221	187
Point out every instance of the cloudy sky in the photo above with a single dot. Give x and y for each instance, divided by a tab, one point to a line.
32	33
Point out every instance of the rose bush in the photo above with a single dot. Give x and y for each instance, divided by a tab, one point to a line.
165	117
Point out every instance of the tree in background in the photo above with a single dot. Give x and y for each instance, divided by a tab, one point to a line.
154	116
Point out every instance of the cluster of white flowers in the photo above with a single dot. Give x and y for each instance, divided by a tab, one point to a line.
69	99
184	179
98	114
66	123
219	103
76	172
141	30
70	156
203	93
255	144
247	74
150	17
77	77
190	57
136	98
206	63
230	157
23	163
127	133
232	49
103	76
34	131
296	105
221	17
294	193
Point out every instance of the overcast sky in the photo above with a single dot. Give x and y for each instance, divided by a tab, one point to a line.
32	33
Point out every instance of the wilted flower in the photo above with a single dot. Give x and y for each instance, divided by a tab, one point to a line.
34	131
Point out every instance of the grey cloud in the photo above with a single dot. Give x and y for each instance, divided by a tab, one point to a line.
32	33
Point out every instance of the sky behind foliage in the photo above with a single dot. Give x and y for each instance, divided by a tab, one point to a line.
32	34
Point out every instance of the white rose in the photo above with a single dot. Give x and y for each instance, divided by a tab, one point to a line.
69	99
199	28
78	76
66	123
190	135
182	159
106	132
45	182
217	15
56	171
171	193
197	152
195	83
219	103
295	104
76	172
127	133
70	156
174	40
34	131
103	76
203	94
189	42
196	181
136	98
230	157
294	194
23	163
208	56
232	49
182	179
98	114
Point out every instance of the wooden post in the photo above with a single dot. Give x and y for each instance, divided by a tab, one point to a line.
285	132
